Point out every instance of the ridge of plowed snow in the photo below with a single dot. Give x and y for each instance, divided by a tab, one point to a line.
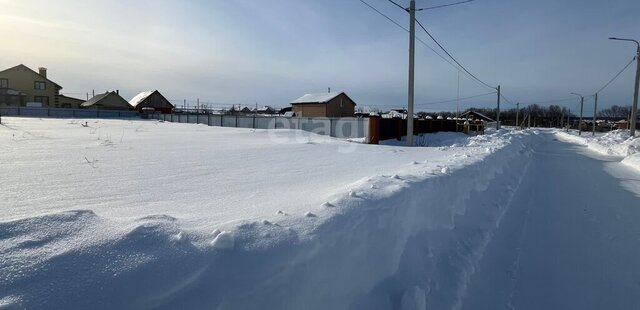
616	143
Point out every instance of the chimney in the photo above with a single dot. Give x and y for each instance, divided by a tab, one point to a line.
43	72
118	91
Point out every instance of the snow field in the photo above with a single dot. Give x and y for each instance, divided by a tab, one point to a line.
388	227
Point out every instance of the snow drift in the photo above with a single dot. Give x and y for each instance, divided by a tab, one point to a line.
616	143
408	239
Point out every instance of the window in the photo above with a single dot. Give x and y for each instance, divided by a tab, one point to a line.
4	83
40	85
43	99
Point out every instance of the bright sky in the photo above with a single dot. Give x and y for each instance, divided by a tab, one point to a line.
272	52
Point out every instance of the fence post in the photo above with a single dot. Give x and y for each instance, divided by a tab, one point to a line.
254	122
208	119
236	121
19	111
373	136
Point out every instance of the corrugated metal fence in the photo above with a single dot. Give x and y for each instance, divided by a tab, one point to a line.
343	127
64	112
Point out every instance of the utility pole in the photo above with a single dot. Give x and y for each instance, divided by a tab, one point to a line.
412	51
634	108
458	102
517	114
498	112
595	109
581	110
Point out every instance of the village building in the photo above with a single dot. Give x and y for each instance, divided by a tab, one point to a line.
107	101
324	105
69	102
266	110
21	86
151	99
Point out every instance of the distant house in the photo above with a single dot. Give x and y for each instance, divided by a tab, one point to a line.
151	99
107	101
285	110
324	105
22	86
621	124
473	115
266	110
69	102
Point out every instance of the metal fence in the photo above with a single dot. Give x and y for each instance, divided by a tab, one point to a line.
343	127
64	112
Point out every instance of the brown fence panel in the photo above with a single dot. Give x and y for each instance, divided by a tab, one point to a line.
396	128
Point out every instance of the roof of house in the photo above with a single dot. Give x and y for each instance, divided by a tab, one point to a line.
21	65
140	97
97	98
73	98
318	98
489	119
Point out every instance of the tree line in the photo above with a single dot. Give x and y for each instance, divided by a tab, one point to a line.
549	116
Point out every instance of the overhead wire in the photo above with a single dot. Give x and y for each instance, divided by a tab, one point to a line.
458	65
444	5
616	76
396	4
407	30
453	58
453	100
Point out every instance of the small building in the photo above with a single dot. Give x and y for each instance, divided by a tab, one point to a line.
324	105
473	115
151	99
285	110
621	124
266	110
108	101
69	102
38	90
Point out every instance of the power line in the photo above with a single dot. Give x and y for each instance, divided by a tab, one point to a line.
506	99
444	5
547	101
384	15
617	75
456	61
423	42
396	4
453	100
586	98
407	30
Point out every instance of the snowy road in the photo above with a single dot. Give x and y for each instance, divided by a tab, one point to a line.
569	240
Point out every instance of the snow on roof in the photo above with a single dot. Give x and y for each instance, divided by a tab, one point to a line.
140	97
319	98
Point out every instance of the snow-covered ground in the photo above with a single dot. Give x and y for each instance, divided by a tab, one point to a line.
145	214
616	143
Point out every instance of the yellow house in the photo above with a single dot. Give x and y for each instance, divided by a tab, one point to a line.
22	86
